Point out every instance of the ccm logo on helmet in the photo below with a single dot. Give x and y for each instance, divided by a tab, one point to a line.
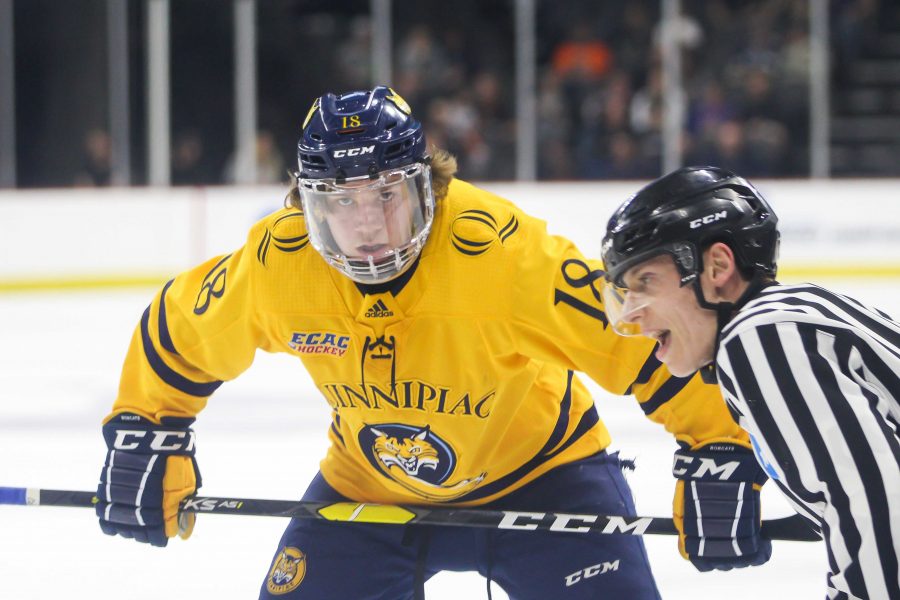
354	151
709	219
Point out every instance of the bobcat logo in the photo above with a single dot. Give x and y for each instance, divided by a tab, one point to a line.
410	455
416	458
287	571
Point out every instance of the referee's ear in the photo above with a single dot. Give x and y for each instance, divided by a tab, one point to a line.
721	274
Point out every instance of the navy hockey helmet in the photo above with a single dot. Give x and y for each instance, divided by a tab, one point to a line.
682	213
359	134
365	183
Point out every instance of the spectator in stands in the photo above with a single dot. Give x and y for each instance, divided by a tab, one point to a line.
710	110
96	159
188	161
270	166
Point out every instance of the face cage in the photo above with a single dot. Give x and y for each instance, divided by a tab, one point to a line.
368	271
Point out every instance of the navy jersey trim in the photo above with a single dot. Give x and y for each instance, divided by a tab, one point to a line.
551	448
166	373
647	370
668	390
335	424
562	421
262	251
394	286
510	228
292	244
164	337
213	270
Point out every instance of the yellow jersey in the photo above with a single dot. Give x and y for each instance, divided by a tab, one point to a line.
453	383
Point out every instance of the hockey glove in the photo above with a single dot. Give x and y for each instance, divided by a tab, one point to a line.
149	469
716	508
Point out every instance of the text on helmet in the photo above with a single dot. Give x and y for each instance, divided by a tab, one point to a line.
354	151
709	219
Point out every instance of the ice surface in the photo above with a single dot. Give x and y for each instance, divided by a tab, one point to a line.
261	436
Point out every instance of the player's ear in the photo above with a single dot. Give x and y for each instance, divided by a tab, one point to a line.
719	263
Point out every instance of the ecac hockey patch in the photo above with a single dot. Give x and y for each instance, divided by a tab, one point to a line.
288	570
319	342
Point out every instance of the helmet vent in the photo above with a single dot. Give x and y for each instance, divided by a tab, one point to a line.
315	137
390	125
312	159
398	148
637	235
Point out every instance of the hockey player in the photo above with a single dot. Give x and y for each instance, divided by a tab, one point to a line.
442	326
812	375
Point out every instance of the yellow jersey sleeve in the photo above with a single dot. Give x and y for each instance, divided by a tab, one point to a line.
199	331
559	316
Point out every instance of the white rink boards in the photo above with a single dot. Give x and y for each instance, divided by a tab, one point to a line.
261	436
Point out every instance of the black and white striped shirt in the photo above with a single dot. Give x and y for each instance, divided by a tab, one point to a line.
814	377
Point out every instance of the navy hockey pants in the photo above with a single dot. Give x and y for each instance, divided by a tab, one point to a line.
319	560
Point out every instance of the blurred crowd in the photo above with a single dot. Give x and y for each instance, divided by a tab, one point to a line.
600	101
745	77
745	72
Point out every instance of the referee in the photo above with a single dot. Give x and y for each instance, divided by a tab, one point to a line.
812	375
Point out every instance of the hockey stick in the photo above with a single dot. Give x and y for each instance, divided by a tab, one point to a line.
793	528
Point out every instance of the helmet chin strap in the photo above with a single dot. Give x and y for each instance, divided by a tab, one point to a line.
724	312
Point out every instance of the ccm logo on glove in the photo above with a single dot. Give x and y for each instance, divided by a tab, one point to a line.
161	441
708	467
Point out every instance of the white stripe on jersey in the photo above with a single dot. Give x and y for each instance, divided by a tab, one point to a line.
830	426
815	378
810	485
778	407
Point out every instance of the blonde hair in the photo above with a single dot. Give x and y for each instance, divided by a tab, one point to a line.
443	169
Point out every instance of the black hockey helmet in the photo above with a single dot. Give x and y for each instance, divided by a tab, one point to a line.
682	213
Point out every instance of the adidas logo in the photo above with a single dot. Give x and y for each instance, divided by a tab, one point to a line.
378	310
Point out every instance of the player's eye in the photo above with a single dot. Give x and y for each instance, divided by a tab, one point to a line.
643	281
386	196
344	202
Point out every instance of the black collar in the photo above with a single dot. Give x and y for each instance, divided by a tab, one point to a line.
394	286
725	311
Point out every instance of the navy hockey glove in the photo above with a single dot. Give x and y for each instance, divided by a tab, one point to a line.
149	469
716	506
